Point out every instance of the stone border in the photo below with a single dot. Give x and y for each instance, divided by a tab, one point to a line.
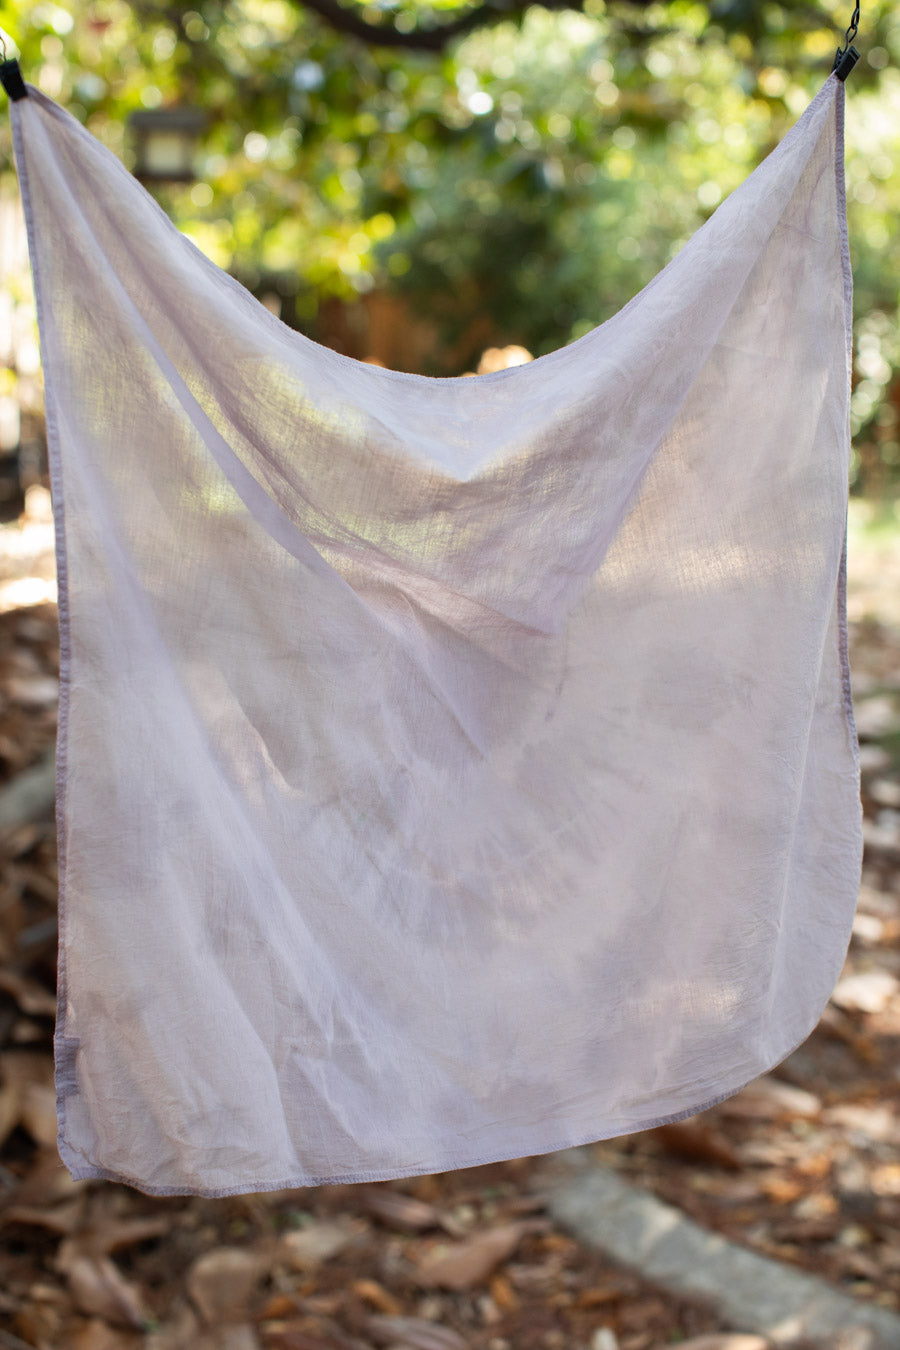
753	1293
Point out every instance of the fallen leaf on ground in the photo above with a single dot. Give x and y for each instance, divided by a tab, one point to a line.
222	1282
47	1181
300	1335
878	1121
599	1295
63	1219
32	691
328	1304
698	1142
471	1261
377	1295
770	1099
868	992
37	1113
97	1335
30	995
181	1333
99	1234
29	1096
784	1190
726	1341
318	1242
10	1104
503	1293
228	1338
116	1234
402	1211
416	1332
99	1288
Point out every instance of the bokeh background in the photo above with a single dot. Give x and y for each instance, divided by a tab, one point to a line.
516	184
444	188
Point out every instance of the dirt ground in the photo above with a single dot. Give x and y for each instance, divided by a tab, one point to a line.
803	1165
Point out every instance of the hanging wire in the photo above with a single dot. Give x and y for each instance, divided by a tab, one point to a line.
847	56
852	30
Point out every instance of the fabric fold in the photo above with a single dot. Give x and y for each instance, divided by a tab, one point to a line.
449	769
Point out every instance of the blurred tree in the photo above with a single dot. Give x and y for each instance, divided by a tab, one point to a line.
419	31
536	171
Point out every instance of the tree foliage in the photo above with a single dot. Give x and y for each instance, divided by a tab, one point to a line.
539	169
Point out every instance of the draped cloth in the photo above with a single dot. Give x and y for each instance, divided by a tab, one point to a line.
450	770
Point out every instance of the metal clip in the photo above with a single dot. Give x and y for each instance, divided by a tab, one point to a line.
11	75
11	79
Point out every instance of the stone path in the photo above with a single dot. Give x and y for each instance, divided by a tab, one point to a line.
753	1293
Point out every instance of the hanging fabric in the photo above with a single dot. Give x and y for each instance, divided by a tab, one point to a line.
450	770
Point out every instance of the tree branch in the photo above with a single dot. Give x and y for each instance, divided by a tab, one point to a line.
434	39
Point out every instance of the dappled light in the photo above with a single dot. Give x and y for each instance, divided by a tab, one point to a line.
534	179
459	212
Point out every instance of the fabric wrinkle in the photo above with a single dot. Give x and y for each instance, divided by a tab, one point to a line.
449	770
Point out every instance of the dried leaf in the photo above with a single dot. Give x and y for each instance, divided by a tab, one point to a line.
598	1295
868	992
241	1337
841	1024
782	1189
113	1235
769	1099
32	691
726	1341
503	1293
328	1304
291	1336
885	1180
279	1305
31	996
10	1109
318	1242
62	1219
401	1211
806	1230
698	1142
181	1333
416	1332
97	1335
184	1334
48	1182
38	1113
99	1288
525	1204
19	1068
40	1324
876	1121
28	1076
532	1279
309	1334
222	1282
377	1295
465	1264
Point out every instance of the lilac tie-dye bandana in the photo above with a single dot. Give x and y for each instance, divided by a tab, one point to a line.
450	770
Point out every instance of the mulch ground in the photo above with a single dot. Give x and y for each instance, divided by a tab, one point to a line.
803	1165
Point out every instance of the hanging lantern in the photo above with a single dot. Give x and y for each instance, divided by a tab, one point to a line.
166	142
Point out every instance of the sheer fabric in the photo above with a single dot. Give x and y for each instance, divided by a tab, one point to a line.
450	770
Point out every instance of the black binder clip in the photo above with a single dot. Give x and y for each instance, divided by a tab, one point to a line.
844	62
11	79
